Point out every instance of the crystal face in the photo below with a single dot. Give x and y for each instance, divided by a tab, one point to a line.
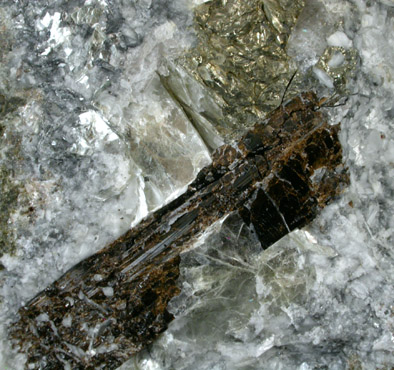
83	156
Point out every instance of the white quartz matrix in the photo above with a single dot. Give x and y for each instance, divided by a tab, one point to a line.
100	144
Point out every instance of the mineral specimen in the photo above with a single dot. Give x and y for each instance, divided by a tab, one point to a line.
241	57
112	304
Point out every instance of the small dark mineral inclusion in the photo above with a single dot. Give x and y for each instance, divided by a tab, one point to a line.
112	304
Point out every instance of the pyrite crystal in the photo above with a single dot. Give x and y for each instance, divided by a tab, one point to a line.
112	304
241	57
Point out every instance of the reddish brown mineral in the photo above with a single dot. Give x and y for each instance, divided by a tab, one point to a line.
113	303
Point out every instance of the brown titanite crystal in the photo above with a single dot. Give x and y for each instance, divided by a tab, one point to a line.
114	303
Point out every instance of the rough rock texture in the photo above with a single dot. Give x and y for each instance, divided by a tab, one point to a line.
113	303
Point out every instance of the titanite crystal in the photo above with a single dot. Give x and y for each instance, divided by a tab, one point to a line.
277	178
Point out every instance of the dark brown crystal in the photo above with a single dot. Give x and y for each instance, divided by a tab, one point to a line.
112	304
